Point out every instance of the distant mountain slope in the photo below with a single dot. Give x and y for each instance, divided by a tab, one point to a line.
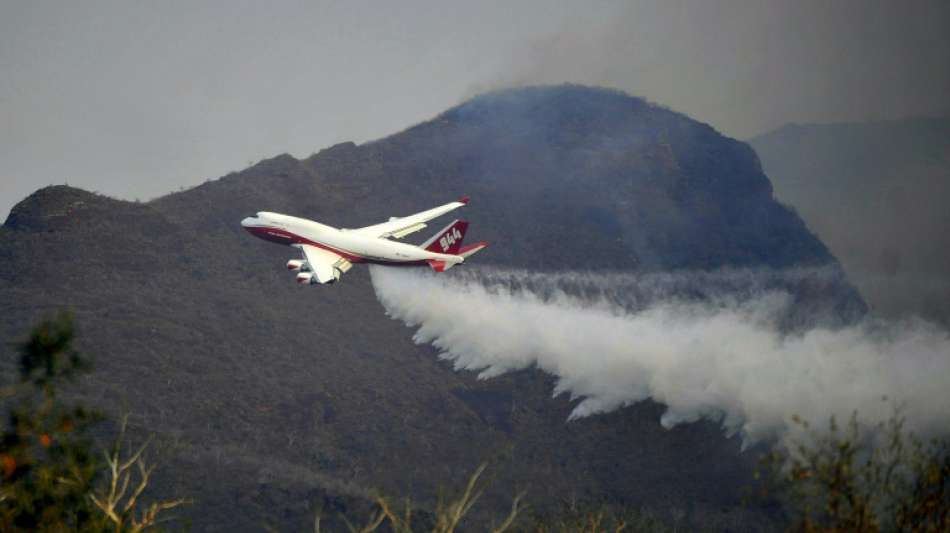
271	397
879	195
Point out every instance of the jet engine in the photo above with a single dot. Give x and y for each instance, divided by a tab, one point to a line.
297	265
308	278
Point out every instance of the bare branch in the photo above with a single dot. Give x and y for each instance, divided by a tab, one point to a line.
510	519
120	479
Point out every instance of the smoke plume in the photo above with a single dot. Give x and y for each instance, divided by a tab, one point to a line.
719	354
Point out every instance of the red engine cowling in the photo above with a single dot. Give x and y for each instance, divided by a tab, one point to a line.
305	278
297	265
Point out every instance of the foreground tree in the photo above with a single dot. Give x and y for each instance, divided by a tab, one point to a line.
48	466
50	477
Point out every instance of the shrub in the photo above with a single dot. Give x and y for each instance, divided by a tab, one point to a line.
846	479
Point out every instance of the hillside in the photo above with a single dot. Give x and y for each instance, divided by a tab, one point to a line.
877	194
271	398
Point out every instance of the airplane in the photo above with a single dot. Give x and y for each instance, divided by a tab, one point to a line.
328	252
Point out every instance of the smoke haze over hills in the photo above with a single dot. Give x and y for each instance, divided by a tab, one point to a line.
637	252
138	100
877	193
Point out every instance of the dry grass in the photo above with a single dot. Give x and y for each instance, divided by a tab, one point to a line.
448	514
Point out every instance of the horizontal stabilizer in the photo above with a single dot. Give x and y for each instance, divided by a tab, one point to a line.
439	266
472	249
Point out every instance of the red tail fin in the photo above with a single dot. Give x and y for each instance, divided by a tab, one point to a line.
449	240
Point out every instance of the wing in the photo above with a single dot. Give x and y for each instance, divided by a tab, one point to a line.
324	265
400	227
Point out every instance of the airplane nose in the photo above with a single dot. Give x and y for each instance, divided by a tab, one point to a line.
249	222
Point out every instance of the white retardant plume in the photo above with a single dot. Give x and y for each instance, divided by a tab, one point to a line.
719	357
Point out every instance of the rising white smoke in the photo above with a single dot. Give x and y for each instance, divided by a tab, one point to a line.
720	357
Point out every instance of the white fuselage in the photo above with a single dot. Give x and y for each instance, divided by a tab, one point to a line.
349	244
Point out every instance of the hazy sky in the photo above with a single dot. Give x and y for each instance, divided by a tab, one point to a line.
137	99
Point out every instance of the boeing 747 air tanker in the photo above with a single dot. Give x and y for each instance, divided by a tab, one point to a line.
329	252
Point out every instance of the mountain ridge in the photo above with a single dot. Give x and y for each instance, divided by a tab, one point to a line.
198	330
876	192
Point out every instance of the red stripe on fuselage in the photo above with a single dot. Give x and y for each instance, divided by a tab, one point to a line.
287	238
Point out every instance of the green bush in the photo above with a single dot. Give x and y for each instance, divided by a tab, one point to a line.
48	468
50	477
846	479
